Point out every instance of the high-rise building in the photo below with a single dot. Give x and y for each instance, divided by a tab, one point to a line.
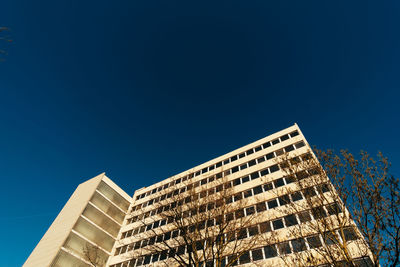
239	208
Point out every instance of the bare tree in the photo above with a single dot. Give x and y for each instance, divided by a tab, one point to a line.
93	254
200	223
5	38
348	209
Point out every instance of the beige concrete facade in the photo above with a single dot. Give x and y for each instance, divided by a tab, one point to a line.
99	213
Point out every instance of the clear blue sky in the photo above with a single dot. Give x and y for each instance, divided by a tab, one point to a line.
142	90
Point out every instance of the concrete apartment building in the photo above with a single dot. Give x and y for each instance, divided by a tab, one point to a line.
121	229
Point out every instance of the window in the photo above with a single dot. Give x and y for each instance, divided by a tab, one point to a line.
249	152
284	248
268	187
249	211
261	207
257	254
239	213
333	209
270	252
290	220
258	148
314	241
293	134
279	152
270	155
253	230
254	175
259	160
309	192
318	212
242	155
264	172
244	166
299	144
304	216
248	193
278	224
244	258
235	169
283	200
267	144
265	227
242	234
279	182
257	190
274	168
237	197
349	234
147	259
236	182
272	204
296	196
245	179
275	141
298	245
252	162
289	148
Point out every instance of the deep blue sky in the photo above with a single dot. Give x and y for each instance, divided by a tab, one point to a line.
145	89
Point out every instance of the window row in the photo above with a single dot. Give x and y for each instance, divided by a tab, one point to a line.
279	249
276	224
254	191
219	164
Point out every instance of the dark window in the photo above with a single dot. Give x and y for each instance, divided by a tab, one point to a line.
175	233
249	211
279	152
284	248
257	254
147	259
268	187
139	262
163	255
239	213
265	227
252	162
289	148
257	190
242	234
270	155
298	245
318	212
132	263
267	144
259	160
293	134
283	200
278	224
245	258
155	258
232	259
248	193
299	144
275	141
236	182
257	148
264	172
249	152
309	192
219	164
181	250
314	241
301	175
323	188
235	169
363	262
290	220
272	204
261	207
290	179
167	236
212	167
226	161
333	209
245	179
244	166
304	216
270	252
349	234
273	168
238	196
284	137
296	196
254	175
242	155
253	230
279	182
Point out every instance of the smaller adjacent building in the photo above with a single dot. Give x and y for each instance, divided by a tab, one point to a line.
87	226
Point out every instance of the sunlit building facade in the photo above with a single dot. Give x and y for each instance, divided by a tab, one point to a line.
101	215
